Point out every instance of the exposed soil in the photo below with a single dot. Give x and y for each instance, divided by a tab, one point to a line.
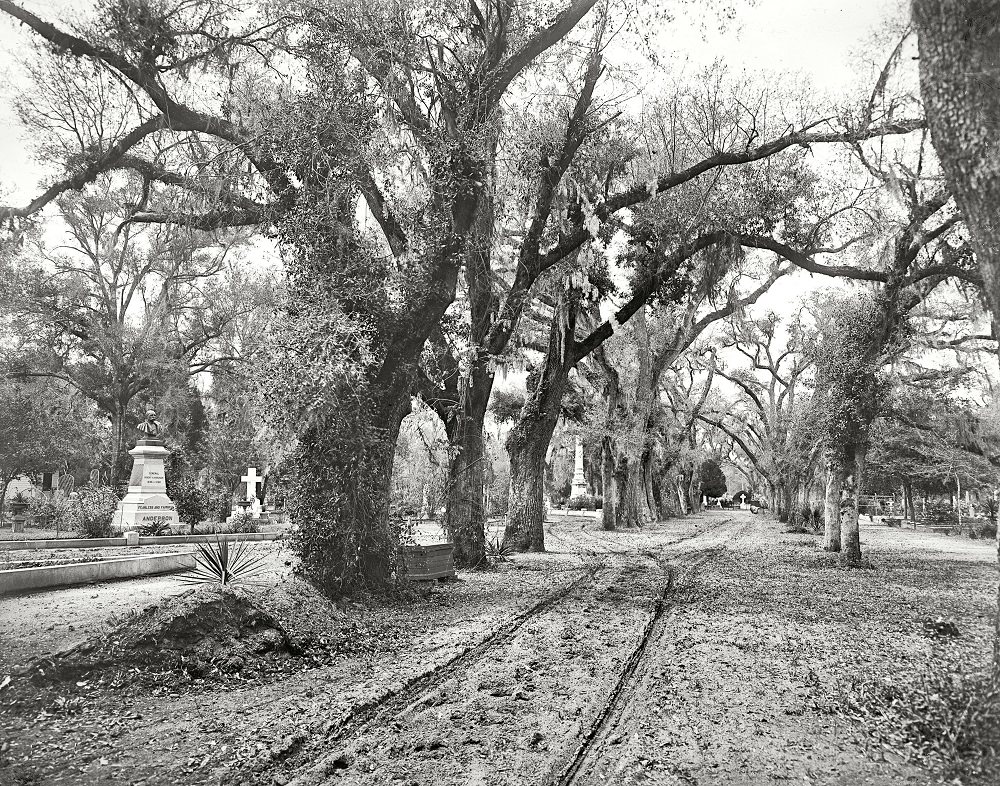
709	650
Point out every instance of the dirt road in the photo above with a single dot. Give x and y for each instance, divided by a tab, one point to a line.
705	650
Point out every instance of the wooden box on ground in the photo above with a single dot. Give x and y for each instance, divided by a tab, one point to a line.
427	562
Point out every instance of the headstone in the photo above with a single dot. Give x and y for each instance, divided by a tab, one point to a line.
95	477
203	478
66	483
251	504
146	500
252	479
49	480
425	508
579	488
743	500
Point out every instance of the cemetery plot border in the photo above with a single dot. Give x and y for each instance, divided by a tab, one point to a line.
30	579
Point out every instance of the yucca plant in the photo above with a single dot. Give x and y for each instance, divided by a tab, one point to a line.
224	564
499	549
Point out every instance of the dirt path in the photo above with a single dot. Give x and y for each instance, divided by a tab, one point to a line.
706	650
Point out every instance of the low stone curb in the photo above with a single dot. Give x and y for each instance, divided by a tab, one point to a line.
153	540
29	579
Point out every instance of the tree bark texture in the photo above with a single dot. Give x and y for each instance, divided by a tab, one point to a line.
609	481
465	517
342	486
959	43
529	438
831	508
850	552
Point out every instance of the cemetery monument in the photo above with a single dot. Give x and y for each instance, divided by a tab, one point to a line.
146	501
579	488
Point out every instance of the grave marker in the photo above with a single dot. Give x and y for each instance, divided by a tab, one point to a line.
146	500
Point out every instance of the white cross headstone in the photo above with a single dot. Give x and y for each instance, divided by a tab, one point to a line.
252	479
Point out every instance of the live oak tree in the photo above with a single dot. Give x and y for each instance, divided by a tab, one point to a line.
769	423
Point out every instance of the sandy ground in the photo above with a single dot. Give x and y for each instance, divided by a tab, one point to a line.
704	650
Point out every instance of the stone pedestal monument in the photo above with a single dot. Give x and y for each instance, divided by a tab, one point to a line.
146	500
579	488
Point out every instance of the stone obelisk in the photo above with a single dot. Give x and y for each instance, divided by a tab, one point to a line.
579	488
146	500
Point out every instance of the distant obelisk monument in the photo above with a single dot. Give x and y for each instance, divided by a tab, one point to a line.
147	500
579	488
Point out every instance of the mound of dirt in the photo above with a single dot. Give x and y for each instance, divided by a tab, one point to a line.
202	630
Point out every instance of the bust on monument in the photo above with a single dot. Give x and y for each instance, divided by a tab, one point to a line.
149	429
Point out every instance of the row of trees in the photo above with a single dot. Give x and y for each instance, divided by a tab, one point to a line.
454	188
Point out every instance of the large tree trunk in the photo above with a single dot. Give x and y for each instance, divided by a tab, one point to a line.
465	518
959	43
635	507
832	501
785	503
529	438
648	463
850	552
118	470
632	427
609	513
526	446
4	482
960	86
342	481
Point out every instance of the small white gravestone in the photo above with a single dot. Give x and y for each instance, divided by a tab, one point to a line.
743	500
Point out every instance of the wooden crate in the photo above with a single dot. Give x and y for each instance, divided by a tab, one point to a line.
428	562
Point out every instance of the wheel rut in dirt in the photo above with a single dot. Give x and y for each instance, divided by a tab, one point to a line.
502	712
581	765
303	749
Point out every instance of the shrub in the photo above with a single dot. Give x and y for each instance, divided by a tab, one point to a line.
986	530
940	514
218	504
51	511
191	501
242	522
157	526
499	549
93	510
992	507
937	716
586	502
